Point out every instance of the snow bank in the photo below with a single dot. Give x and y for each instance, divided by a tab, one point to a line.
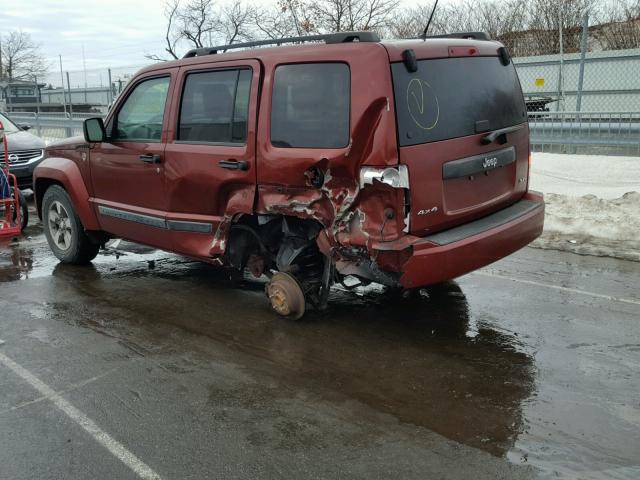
578	175
593	203
593	226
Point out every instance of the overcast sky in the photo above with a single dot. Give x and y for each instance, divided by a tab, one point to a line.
116	32
113	32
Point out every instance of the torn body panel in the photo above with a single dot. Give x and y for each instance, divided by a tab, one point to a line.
323	184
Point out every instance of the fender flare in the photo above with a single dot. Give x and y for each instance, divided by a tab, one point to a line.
65	172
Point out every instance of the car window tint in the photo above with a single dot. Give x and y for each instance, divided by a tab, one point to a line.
142	115
448	97
215	107
310	106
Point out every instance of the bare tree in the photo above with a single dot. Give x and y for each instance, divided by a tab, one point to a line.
236	22
171	37
197	21
348	15
285	18
411	22
526	27
21	57
619	26
546	17
201	23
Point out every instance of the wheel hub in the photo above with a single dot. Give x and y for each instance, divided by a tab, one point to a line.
286	296
59	226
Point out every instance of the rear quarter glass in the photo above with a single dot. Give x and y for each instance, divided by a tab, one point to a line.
445	98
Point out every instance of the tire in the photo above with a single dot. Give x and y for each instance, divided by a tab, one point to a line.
24	210
63	229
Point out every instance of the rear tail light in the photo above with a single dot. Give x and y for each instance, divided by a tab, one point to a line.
396	177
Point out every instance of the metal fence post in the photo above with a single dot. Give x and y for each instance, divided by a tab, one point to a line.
110	96
38	101
560	66
583	53
69	128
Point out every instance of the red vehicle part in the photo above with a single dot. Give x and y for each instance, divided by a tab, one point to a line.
473	245
9	225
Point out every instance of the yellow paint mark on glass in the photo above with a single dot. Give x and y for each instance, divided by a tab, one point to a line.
422	104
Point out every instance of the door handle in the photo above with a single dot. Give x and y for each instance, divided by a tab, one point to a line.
232	164
150	158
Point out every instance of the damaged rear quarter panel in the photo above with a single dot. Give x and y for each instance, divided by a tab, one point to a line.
350	216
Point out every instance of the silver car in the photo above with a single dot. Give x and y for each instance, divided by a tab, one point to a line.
26	151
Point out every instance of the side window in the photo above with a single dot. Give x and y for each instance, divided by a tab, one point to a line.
215	107
310	106
142	115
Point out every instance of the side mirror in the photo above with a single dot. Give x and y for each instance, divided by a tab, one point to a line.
24	126
93	129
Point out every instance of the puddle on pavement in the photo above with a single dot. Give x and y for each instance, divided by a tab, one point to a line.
424	359
29	256
420	358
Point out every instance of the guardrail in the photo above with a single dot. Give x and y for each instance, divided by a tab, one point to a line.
607	133
52	125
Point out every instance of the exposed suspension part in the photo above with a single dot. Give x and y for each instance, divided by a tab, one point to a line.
285	249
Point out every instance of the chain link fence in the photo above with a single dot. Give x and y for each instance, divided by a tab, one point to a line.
586	99
56	105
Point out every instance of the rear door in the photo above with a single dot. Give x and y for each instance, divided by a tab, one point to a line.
444	110
210	158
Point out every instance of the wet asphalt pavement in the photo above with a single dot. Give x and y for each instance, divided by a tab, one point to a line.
526	369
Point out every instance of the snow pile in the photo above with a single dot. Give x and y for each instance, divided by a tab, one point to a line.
578	175
593	203
593	226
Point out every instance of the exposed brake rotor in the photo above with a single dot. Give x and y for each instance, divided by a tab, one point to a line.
286	296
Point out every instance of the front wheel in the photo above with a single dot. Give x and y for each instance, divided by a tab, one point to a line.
63	229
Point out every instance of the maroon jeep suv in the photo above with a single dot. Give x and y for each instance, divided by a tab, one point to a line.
404	163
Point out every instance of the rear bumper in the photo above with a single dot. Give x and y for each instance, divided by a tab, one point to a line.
462	249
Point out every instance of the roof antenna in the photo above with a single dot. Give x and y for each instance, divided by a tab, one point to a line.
424	33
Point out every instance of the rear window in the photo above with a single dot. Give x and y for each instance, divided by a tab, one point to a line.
455	97
310	106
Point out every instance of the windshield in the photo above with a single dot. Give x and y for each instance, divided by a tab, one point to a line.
9	126
456	97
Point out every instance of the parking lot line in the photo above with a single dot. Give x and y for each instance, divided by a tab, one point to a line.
558	287
107	441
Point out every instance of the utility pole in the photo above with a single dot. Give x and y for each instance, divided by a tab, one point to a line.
583	53
37	90
561	67
84	67
1	70
70	99
110	95
64	93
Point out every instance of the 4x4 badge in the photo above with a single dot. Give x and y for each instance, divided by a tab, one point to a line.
427	211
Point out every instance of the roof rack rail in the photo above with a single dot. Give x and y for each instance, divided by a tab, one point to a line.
465	35
341	37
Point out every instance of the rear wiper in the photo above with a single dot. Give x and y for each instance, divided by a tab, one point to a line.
501	133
